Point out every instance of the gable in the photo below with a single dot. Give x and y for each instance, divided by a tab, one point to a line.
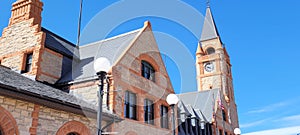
143	48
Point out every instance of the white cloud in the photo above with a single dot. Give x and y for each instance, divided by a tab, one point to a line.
281	131
269	107
291	118
252	124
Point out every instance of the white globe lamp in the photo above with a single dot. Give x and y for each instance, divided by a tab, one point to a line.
172	99
237	131
102	64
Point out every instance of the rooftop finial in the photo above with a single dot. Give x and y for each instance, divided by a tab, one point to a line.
208	3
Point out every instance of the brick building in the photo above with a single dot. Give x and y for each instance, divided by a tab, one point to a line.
48	85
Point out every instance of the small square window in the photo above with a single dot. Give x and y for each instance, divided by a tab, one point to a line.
28	63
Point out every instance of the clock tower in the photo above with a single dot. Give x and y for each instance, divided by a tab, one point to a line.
212	60
213	65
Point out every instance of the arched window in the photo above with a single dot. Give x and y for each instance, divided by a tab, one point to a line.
148	71
73	133
73	128
210	50
8	125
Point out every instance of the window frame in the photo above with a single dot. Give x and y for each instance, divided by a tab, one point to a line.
224	115
164	116
28	62
210	50
220	132
147	70
130	109
149	111
73	133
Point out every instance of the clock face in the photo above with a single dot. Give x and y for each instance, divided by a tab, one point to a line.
209	66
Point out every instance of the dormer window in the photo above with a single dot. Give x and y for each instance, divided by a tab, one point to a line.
148	71
28	64
210	50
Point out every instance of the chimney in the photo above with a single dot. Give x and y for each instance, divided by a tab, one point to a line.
26	9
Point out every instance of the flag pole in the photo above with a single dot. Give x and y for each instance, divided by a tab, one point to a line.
79	24
214	114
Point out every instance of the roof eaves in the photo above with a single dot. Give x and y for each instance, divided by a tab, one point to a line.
57	36
108	39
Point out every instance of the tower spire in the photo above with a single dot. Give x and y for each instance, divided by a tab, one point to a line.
209	30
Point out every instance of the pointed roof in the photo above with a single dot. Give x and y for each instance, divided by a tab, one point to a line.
209	30
201	101
199	49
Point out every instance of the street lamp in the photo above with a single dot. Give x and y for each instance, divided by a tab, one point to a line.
101	66
172	100
237	131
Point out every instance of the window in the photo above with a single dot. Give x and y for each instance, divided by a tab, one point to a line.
148	71
220	132
228	69
164	117
130	105
28	63
210	50
224	115
72	133
149	111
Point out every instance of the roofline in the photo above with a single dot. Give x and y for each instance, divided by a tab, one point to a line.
44	29
111	38
60	52
146	25
53	103
210	39
197	91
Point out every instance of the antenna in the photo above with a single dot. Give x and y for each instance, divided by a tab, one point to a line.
79	24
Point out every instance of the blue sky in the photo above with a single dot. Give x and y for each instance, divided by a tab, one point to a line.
260	36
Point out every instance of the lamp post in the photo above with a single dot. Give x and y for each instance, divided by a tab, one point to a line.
172	100
237	131
101	66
